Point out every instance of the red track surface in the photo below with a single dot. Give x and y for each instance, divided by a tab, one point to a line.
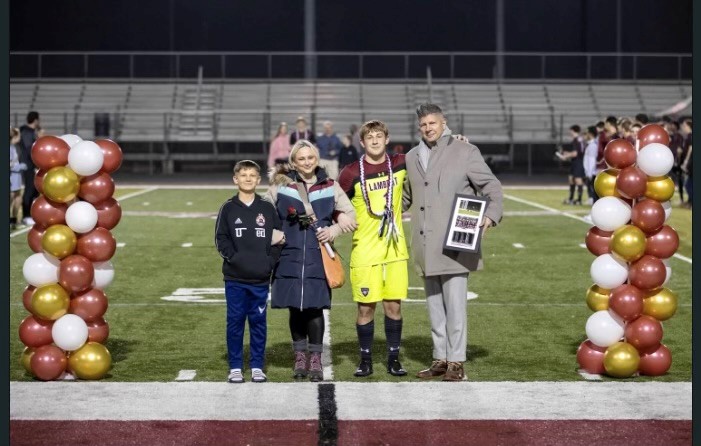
562	432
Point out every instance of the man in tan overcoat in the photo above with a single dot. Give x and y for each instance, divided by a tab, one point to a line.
438	168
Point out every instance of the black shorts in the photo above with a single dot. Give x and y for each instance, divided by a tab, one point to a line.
577	168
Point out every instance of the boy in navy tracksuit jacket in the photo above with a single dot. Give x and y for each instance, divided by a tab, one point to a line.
249	239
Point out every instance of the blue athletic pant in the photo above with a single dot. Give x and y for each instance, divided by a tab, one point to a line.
244	300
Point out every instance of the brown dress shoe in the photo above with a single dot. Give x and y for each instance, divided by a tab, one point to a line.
455	372
438	368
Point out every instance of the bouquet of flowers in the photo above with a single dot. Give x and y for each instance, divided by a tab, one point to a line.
307	221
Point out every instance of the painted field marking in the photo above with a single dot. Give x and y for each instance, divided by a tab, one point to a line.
186	245
166	214
121	245
21	231
189	203
570	215
326	358
582	245
186	375
518	246
145	203
589	376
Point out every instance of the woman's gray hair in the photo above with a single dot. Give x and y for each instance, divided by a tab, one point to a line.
299	145
427	108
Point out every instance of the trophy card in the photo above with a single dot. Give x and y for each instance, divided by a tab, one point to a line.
464	231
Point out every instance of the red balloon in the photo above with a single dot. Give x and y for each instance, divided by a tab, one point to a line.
590	357
648	215
96	188
48	213
631	182
620	154
644	333
112	153
39	180
48	362
35	332
652	133
655	362
98	330
627	302
34	237
76	273
50	151
89	305
598	241
97	245
663	243
109	212
647	273
27	297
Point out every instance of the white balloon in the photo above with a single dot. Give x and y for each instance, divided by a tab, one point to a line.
70	332
41	269
104	274
668	270
610	213
609	271
85	158
604	328
81	217
667	206
71	139
655	159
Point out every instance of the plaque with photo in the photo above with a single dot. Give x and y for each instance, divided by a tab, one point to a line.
464	228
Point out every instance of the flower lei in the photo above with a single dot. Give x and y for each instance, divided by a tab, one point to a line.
387	225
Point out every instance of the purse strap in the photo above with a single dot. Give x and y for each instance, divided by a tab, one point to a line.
302	189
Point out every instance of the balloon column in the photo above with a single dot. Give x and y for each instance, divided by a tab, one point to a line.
71	267
631	242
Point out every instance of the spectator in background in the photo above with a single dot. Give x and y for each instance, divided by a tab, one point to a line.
635	128
16	169
355	137
28	134
589	163
301	132
349	153
676	145
642	119
576	155
687	164
330	147
279	147
609	133
625	129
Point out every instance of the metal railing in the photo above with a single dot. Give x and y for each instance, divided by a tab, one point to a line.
350	65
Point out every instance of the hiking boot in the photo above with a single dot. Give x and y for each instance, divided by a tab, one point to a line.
300	367
438	368
316	371
257	376
235	376
364	368
455	372
394	368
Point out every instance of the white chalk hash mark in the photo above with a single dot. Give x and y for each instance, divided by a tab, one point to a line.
186	245
186	375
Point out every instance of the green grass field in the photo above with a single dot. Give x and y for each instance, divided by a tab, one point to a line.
525	325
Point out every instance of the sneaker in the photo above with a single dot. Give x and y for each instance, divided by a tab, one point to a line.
590	201
577	202
300	367
438	368
257	376
316	371
364	368
455	372
567	201
28	221
394	368
235	376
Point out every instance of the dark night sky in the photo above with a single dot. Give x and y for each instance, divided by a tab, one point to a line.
361	25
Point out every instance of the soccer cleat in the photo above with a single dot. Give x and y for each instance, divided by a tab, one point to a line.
394	368
257	376
364	368
455	372
316	372
437	368
300	367
235	376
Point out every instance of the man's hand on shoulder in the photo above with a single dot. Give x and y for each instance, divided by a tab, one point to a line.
462	138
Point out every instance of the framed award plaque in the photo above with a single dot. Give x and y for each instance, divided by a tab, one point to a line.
464	228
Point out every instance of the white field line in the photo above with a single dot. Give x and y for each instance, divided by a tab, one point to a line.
21	231
121	245
583	245
356	401
515	187
186	375
326	358
519	245
589	376
186	245
570	215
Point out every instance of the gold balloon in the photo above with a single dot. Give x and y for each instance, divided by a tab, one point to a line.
660	304
26	358
621	360
50	302
659	188
59	241
605	183
628	242
598	298
61	184
91	361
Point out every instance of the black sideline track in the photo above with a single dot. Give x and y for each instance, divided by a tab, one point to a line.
328	421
